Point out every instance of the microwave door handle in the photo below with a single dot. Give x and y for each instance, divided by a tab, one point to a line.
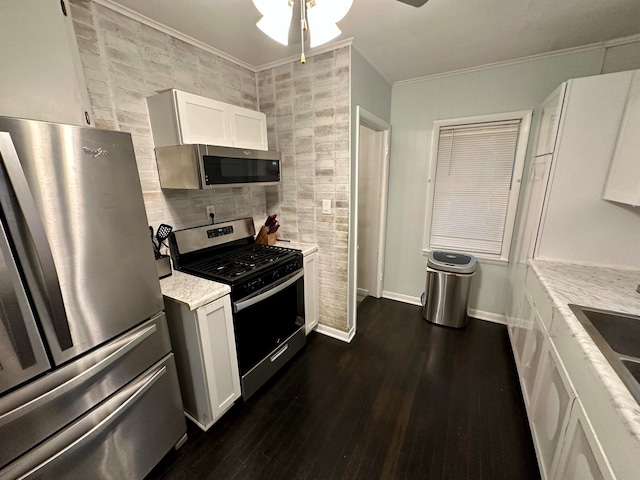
53	294
290	280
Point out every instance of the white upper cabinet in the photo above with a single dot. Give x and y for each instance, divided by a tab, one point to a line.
550	122
201	120
179	118
623	184
248	128
41	76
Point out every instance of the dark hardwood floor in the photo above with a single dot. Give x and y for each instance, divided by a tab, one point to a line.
406	400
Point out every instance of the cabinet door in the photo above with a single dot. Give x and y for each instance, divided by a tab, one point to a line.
550	121
531	356
248	128
203	120
521	325
550	408
217	340
623	184
41	76
581	457
310	263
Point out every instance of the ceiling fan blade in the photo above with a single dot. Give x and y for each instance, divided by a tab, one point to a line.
415	3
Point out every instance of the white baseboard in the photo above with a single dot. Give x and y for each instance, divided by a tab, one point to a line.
335	333
402	298
487	316
472	312
363	292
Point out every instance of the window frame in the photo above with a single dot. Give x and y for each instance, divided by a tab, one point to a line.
518	167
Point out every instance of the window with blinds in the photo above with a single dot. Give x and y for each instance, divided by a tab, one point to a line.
474	191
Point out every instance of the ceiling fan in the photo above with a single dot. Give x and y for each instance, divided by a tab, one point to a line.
415	3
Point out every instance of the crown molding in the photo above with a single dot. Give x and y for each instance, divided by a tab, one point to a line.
127	12
312	53
622	41
488	66
584	48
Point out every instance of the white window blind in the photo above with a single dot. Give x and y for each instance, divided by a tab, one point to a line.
473	180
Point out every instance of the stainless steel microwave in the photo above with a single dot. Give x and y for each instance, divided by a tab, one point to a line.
206	166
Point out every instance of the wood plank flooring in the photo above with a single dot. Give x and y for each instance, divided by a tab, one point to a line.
405	400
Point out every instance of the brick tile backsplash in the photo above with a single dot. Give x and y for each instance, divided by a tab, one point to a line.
308	118
307	108
125	61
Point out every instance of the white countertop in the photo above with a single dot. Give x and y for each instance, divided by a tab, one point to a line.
306	248
598	287
192	291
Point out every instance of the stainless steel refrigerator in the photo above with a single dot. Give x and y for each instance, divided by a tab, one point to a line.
88	386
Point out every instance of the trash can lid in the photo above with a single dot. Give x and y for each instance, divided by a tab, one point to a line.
451	262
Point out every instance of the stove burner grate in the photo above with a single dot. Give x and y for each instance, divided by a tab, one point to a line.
233	264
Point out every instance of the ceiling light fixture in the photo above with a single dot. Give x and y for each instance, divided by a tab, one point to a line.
319	17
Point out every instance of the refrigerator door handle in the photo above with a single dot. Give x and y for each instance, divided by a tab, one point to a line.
149	381
9	158
136	339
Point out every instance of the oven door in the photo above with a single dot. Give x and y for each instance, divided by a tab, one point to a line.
268	325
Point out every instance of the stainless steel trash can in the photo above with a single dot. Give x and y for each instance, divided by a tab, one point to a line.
447	291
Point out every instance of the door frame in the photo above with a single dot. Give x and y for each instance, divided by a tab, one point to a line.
369	120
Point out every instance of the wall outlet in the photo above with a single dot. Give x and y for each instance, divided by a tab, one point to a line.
326	206
210	211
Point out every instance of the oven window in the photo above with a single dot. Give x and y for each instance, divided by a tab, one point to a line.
262	327
224	170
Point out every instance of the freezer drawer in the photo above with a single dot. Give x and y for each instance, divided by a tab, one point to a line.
41	408
122	438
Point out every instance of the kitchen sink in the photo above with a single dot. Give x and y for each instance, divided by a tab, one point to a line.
617	335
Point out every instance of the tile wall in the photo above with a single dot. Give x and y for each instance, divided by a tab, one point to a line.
307	108
125	61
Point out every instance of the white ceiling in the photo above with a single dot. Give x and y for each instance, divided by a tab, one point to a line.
405	42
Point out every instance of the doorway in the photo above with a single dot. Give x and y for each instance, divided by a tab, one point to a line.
372	163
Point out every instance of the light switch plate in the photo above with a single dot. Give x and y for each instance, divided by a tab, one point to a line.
326	206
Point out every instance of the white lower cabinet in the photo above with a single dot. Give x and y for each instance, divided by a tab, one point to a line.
550	409
521	325
566	444
581	457
310	263
204	345
532	354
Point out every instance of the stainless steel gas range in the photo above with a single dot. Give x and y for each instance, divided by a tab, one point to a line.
267	292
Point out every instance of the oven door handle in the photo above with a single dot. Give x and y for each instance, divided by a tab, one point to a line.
290	280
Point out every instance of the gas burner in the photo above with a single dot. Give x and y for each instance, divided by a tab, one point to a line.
232	265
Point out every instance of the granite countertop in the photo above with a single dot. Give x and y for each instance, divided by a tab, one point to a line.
598	287
306	248
192	291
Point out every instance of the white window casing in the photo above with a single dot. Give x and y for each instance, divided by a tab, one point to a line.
475	173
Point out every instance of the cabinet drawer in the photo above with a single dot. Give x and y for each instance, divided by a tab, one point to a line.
541	300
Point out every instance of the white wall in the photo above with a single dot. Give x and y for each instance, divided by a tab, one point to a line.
414	108
371	91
